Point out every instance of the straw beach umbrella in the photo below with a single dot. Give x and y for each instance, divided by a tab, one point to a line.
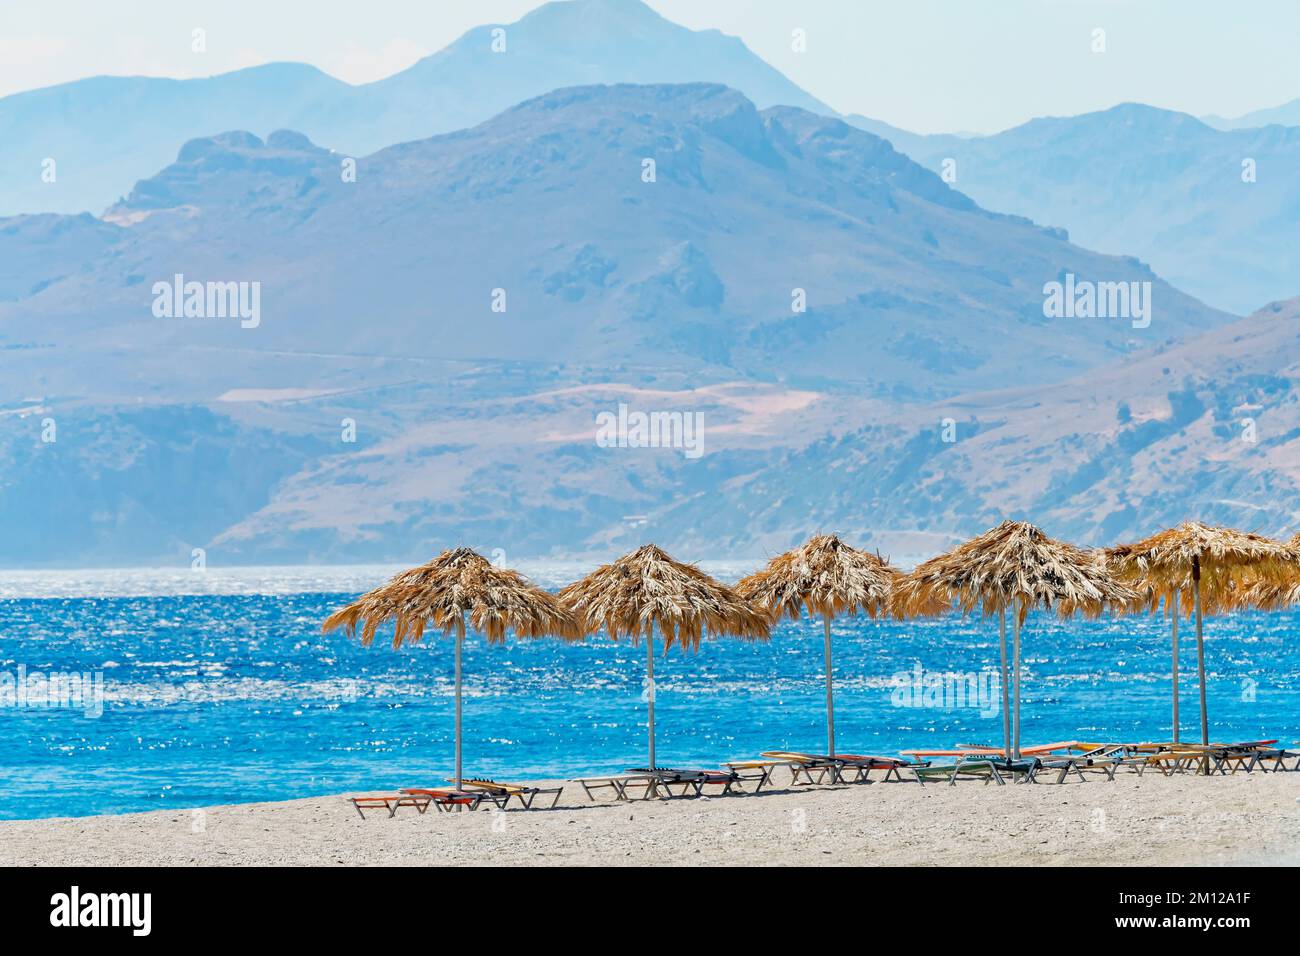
1209	565
1270	594
825	577
1016	566
459	586
647	590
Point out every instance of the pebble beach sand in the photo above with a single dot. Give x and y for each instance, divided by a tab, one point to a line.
1147	820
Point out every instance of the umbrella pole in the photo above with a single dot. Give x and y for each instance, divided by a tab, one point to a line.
830	704
650	690
1006	687
1200	655
1176	725
1016	623
460	638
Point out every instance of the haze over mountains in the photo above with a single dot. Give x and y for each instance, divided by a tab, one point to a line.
910	288
1133	180
1287	114
1215	212
376	308
867	344
105	133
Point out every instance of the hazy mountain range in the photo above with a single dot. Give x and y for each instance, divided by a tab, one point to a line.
1288	114
1215	212
911	290
376	296
106	132
868	344
1133	180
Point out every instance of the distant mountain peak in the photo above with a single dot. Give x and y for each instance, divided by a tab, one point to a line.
115	130
604	12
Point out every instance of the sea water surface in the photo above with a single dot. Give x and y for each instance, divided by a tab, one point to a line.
219	687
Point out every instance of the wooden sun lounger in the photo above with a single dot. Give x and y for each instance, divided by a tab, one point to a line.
390	802
1168	762
525	795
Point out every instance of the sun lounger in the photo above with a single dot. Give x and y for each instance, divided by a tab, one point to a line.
1278	756
448	799
1170	762
1103	760
757	770
982	766
1136	757
806	765
691	782
1245	755
1170	758
842	768
1218	758
1037	750
618	783
893	766
390	802
816	769
980	769
525	795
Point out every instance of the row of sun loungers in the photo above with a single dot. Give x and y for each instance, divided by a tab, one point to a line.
1056	762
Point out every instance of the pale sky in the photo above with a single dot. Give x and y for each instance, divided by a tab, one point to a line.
924	65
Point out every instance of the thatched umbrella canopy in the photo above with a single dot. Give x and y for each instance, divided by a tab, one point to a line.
825	577
1013	566
647	590
1207	564
1270	592
1269	595
459	585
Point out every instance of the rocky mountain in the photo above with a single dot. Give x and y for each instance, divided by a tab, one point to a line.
105	133
1134	180
432	342
659	226
1207	429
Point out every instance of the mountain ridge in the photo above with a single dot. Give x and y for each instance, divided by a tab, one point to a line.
1211	210
107	132
673	294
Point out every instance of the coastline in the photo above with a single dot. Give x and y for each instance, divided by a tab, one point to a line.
1182	820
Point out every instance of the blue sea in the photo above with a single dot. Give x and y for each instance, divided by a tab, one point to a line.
218	687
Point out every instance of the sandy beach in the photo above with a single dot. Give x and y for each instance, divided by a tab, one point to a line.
1180	820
